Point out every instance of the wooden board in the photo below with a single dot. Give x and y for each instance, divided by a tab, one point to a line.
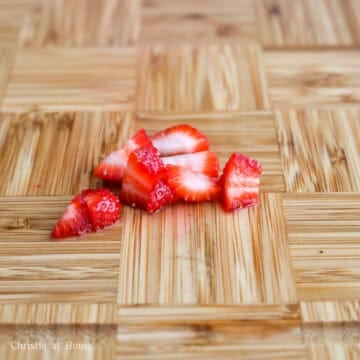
276	80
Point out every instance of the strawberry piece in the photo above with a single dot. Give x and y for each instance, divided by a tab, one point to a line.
180	139
191	186
113	166
142	186
75	221
205	162
104	207
240	181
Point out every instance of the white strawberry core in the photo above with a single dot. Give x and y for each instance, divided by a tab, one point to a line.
70	212
173	142
194	161
196	181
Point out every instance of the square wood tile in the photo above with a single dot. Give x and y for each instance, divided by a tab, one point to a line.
72	79
189	21
55	153
323	231
78	23
320	149
313	78
201	78
175	257
35	269
306	23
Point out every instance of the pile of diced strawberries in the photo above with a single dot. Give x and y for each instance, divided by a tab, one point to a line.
153	172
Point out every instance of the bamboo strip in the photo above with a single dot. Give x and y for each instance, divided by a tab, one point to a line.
7	56
200	255
224	339
95	342
194	28
35	269
47	314
58	79
202	78
206	7
318	226
82	23
303	22
334	351
313	79
206	314
55	154
330	311
320	149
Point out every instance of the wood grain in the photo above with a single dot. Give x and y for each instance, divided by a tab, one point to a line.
253	134
33	271
352	8
94	341
178	257
146	335
55	153
72	79
49	314
194	21
323	231
320	149
7	56
313	78
12	14
182	7
277	80
205	315
334	351
304	23
82	23
330	311
201	78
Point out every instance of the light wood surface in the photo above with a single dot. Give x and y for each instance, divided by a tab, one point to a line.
277	80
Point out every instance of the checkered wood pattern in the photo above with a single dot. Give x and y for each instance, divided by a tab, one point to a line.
277	80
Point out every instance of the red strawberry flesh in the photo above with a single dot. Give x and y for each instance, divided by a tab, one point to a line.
75	221
104	207
240	181
180	139
142	185
112	168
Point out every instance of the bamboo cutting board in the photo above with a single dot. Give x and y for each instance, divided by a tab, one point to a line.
277	80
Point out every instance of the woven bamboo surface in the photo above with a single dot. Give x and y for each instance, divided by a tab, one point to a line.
278	80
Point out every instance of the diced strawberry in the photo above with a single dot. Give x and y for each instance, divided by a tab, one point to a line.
142	186
240	181
149	156
180	139
75	221
205	162
113	166
104	207
191	186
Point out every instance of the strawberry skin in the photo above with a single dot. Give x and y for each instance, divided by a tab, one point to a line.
113	166
75	221
180	139
240	181
104	207
205	162
191	186
142	185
